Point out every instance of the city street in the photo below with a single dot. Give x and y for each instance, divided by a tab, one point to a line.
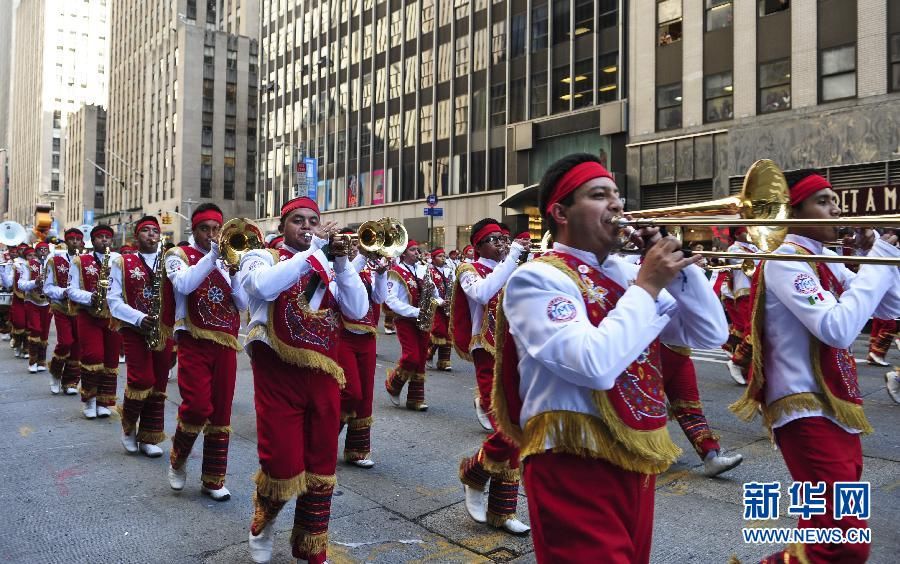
72	494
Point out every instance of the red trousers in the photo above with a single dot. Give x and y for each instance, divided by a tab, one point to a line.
739	311
206	378
38	319
297	422
613	524
496	447
66	362
884	331
17	315
680	383
411	368
817	450
357	357
145	391
99	358
484	376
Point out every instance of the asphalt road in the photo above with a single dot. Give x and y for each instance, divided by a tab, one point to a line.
71	494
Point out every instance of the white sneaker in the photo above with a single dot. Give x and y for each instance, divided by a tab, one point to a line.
103	411
716	463
150	451
221	494
482	416
177	478
515	527
4	337
90	408
892	379
71	391
261	545
389	331
897	342
872	358
55	384
736	373
41	368
394	399
448	369
121	358
475	504
130	442
33	368
364	463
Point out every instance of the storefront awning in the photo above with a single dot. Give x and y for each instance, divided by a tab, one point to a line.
524	198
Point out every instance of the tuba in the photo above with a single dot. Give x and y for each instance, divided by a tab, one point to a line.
238	237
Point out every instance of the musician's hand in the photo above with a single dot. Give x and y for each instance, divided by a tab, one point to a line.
645	237
380	266
95	300
662	263
864	239
325	229
890	238
147	323
339	247
214	248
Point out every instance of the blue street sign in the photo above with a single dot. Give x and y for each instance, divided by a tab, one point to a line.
312	175
431	200
88	217
434	212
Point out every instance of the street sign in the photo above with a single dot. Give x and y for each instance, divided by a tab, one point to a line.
434	212
431	200
88	217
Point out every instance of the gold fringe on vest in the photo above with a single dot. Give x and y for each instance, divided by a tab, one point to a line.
279	489
304	358
499	406
360	327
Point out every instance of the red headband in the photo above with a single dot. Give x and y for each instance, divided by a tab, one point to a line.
437	252
273	244
523	235
412	243
467	248
27	250
807	187
297	203
101	230
576	176
146	222
73	233
206	215
484	232
41	245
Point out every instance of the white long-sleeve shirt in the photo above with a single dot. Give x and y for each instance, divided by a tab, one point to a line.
28	283
76	292
398	298
55	292
6	275
479	291
185	279
562	359
740	282
797	307
379	285
264	279
117	306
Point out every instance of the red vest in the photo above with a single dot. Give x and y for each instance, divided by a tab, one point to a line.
16	291
631	431
37	296
461	318
137	291
89	271
211	313
400	274
61	278
369	322
301	336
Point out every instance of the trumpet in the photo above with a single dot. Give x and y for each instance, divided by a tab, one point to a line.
385	237
764	208
238	237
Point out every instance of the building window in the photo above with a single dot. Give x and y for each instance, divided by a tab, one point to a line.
583	86
719	14
427	68
462	56
191	10
517	100
539	28
837	69
767	7
562	89
228	187
211	11
894	58
538	93
775	86
517	35
668	18
561	21
718	95
584	14
607	77
668	107
425	124
498	105
498	42
462	114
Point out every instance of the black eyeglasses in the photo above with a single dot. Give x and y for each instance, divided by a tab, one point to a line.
492	240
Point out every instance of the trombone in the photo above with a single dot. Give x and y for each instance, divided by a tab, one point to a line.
764	208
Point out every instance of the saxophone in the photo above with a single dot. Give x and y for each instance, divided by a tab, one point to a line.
154	336
102	286
427	303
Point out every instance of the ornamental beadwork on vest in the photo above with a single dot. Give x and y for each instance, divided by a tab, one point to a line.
316	328
211	302
136	282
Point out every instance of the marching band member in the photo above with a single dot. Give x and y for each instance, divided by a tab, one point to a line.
356	350
37	307
453	260
65	367
208	302
405	286
738	308
97	335
803	377
17	317
683	395
884	332
296	300
442	276
468	254
134	289
6	280
476	294
578	382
